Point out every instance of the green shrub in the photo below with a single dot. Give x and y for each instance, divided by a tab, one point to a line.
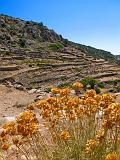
63	78
101	85
98	90
89	81
55	47
78	69
48	90
62	85
22	42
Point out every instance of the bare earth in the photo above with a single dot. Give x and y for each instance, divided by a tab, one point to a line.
13	102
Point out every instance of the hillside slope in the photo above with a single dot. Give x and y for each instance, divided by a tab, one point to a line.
27	35
37	57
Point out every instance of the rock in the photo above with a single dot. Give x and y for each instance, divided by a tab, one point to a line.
8	84
38	98
2	22
72	92
47	95
19	83
19	86
32	91
8	119
38	91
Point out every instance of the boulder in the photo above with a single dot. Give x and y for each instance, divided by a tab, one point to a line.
38	98
19	86
32	91
38	91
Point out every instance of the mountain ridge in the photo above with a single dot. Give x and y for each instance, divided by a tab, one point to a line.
17	33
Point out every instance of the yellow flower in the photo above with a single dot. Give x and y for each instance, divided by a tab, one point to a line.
111	156
5	138
27	123
100	134
51	100
90	93
65	92
108	99
64	135
15	140
5	147
77	85
45	113
30	107
55	90
41	104
90	146
10	127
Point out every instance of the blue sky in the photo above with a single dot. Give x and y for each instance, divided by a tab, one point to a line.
91	22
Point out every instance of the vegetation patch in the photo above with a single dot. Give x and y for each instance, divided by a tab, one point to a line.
74	128
55	47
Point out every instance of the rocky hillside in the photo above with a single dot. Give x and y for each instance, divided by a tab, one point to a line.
17	34
33	56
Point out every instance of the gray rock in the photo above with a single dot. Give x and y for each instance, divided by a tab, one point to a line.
18	86
38	91
32	91
72	92
2	22
38	98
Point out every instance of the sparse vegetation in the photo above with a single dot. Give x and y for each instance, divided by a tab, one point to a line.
55	47
22	42
48	90
62	85
78	69
63	77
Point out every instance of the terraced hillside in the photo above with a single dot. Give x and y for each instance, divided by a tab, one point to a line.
36	57
55	68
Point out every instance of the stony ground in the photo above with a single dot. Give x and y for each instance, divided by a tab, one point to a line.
13	101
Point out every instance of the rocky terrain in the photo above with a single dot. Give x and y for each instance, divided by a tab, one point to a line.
34	58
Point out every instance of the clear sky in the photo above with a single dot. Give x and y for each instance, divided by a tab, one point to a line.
91	22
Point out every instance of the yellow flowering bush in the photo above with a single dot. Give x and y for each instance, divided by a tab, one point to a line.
65	127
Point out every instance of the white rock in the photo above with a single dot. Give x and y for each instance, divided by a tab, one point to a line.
73	92
38	91
32	91
10	118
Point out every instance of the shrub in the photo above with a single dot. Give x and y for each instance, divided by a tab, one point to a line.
63	85
48	90
101	85
55	47
97	90
22	42
89	81
73	128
